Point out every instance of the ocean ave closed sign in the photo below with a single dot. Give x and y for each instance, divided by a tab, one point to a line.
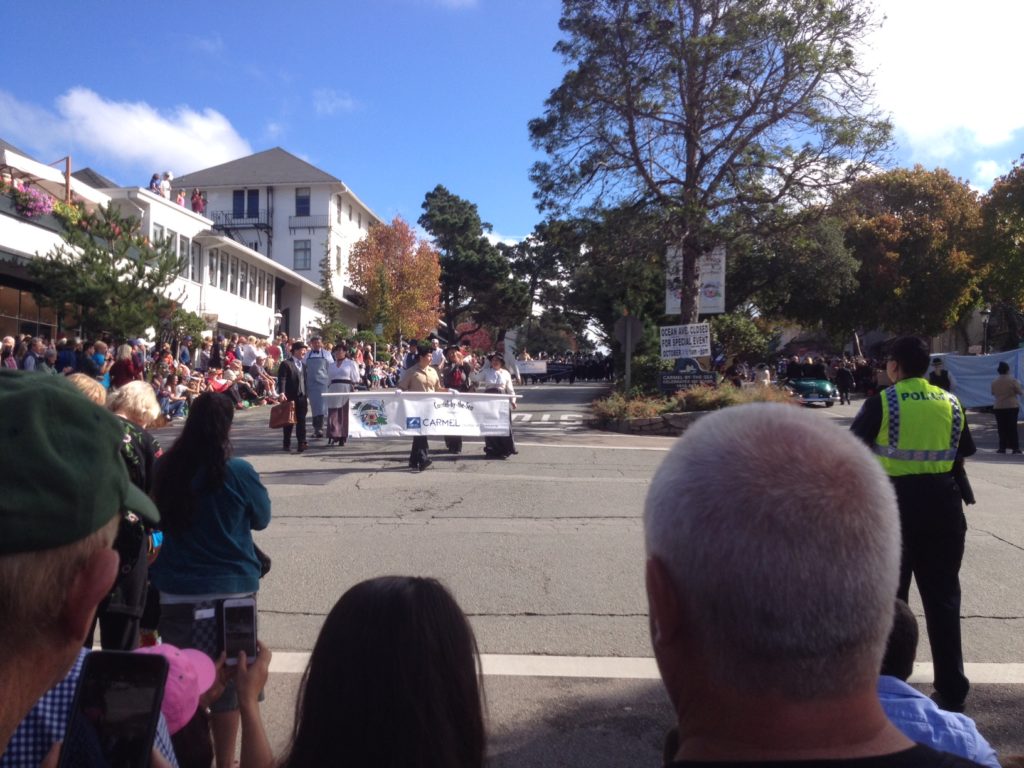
685	341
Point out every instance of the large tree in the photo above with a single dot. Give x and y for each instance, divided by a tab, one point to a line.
477	286
914	233
107	277
398	274
1002	239
701	107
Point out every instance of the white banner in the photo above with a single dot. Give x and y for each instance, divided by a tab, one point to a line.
387	413
710	275
532	367
685	341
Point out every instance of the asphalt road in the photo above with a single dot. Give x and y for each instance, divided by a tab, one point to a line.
544	553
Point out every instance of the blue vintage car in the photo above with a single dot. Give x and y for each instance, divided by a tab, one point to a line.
809	391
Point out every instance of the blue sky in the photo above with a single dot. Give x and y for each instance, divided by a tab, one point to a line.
396	96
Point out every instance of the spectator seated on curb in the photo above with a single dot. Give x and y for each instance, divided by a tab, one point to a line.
916	715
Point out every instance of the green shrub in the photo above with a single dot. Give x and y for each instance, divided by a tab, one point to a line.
616	406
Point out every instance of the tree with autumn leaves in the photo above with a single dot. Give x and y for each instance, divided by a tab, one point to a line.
399	276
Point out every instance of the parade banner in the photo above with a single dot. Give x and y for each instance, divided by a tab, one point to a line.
710	276
388	414
685	341
532	367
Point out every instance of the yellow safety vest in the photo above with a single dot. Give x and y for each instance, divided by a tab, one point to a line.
920	430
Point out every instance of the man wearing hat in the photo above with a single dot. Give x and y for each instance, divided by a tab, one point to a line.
940	377
62	493
291	383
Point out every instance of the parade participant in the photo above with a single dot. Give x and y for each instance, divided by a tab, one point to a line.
1007	392
497	380
62	502
456	378
210	504
291	384
420	378
918	430
343	374
317	382
770	652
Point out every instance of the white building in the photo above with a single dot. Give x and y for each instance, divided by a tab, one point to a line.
292	213
236	288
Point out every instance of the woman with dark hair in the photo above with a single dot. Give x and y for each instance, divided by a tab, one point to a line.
210	503
392	681
496	380
1007	391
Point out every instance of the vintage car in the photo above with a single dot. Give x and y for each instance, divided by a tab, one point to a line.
810	391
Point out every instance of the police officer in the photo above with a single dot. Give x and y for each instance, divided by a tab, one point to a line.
919	431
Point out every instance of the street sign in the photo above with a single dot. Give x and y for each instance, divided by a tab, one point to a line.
628	330
685	341
676	382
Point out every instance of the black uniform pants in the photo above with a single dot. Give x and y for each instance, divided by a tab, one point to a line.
420	452
934	528
1006	423
301	407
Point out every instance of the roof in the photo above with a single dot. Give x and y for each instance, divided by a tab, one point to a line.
8	145
94	179
272	166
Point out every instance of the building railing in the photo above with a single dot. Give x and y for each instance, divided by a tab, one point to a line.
320	221
229	219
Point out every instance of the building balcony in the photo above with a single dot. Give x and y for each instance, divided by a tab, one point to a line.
308	222
229	220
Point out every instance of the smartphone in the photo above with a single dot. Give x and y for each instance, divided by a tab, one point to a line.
115	711
240	628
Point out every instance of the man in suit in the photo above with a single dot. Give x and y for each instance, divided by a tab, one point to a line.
291	383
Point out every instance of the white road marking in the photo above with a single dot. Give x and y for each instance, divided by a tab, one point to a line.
596	447
639	668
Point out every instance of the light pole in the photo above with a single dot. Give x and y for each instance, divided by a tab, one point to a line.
986	315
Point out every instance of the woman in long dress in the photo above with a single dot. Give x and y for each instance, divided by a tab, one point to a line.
497	380
344	375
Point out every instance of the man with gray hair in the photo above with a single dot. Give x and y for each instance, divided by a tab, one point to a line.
62	492
770	579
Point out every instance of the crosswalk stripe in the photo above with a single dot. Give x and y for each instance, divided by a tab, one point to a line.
639	668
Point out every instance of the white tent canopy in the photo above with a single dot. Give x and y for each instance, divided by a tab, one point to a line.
48	178
974	375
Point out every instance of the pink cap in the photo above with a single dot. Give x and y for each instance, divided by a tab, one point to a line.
190	674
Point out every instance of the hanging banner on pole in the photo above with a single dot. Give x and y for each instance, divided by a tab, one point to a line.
385	414
710	276
685	341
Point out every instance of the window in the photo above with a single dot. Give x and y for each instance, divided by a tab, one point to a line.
270	290
337	258
360	214
243	279
233	277
213	258
196	272
261	287
302	201
252	283
339	209
253	204
350	212
158	234
303	255
238	204
223	270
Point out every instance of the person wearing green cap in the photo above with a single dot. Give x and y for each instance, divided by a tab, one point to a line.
62	492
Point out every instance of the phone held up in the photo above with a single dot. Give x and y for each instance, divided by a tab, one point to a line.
240	628
115	712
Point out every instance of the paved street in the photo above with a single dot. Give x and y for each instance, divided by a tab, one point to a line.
544	553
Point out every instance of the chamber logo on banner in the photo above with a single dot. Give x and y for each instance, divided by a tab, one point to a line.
413	422
370	414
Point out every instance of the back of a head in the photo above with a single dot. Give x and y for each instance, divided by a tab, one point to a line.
901	647
1003	367
136	401
781	536
392	681
911	354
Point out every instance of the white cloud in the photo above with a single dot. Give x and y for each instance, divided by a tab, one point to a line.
496	237
327	101
985	172
456	4
273	130
122	132
211	45
944	71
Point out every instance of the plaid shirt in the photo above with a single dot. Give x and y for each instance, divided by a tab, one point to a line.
47	722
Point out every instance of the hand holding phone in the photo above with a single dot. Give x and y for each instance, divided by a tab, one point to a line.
239	628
